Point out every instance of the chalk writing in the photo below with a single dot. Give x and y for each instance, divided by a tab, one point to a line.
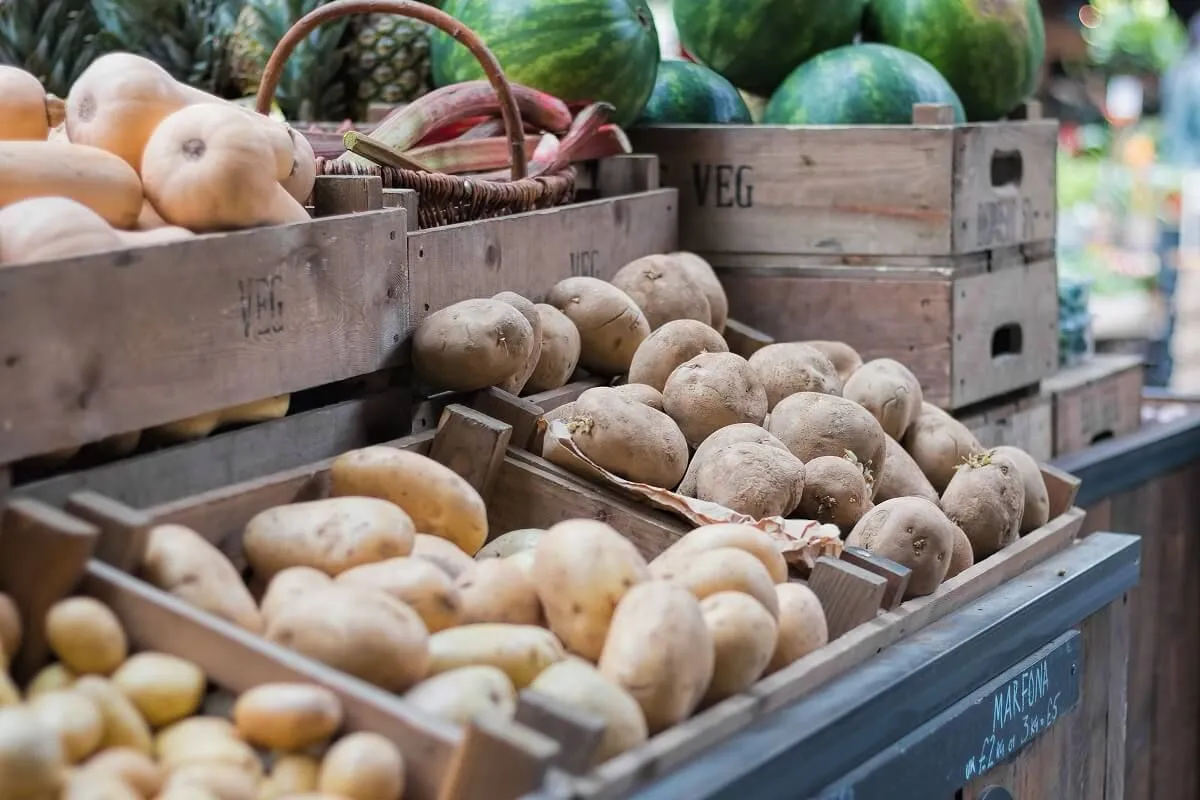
261	301
1022	708
584	263
1004	220
723	185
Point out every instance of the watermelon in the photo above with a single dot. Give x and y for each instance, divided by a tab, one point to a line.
757	43
990	51
860	84
577	50
688	93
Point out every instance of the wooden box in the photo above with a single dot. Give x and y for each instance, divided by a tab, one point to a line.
1100	399
1023	421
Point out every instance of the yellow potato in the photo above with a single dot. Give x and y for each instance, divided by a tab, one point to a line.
744	638
438	499
80	786
291	774
802	626
86	636
520	651
10	695
175	740
50	678
124	726
189	791
443	554
224	781
417	583
287	716
578	685
287	585
524	560
722	569
32	764
218	750
743	537
509	543
133	767
363	766
496	590
164	688
10	627
462	694
76	720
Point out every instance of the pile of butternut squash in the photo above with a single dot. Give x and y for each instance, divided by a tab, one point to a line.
138	159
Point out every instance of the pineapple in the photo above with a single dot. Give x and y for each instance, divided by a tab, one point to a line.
53	39
390	60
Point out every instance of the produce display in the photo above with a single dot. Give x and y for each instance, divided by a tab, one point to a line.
685	92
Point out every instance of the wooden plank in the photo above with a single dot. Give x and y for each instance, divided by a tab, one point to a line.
471	444
1026	422
849	594
124	532
347	194
896	575
579	735
1097	400
553	398
744	340
88	344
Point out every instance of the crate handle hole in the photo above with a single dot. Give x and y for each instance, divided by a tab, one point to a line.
1101	436
1007	168
1008	340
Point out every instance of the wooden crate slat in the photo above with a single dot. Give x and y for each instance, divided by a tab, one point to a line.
1026	422
1096	400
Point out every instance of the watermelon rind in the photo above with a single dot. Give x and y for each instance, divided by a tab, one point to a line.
692	94
581	51
861	84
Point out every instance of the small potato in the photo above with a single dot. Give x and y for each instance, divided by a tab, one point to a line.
32	764
10	627
124	726
911	531
578	685
963	556
814	425
462	694
332	535
712	390
99	787
442	553
524	560
498	591
50	678
164	688
704	276
939	443
660	650
610	324
742	537
130	766
287	585
291	774
86	636
627	438
437	498
845	359
559	354
744	637
224	781
641	393
723	569
1037	500
287	716
174	741
730	434
901	477
471	345
362	766
181	562
517	381
663	290
358	630
506	544
986	498
581	569
802	626
76	720
417	583
785	368
191	792
890	391
757	480
219	750
835	491
670	345
519	651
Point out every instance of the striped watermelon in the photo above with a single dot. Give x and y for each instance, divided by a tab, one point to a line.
688	93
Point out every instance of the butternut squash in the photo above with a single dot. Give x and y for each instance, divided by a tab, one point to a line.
23	112
87	175
47	228
304	168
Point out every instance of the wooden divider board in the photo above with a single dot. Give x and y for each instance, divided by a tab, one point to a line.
1026	422
1097	400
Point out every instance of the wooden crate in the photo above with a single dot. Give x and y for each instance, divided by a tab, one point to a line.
926	189
1023	421
1100	399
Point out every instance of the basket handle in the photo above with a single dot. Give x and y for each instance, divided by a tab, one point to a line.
513	127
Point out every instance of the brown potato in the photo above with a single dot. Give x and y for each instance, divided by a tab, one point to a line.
363	766
495	590
287	716
610	324
785	368
520	651
31	756
511	543
1037	499
890	391
704	276
520	378
722	569
711	391
939	443
443	554
901	477
814	425
709	537
744	637
845	358
911	531
670	345
287	585
986	498
835	491
577	684
729	435
462	694
757	480
10	627
86	636
663	290
76	720
802	626
963	556
559	354
419	584
164	688
471	345
641	393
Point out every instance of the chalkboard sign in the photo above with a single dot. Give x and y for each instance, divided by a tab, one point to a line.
980	732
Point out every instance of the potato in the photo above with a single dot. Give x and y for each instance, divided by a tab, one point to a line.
50	678
559	355
517	381
753	479
578	685
417	583
76	720
287	585
963	556
443	554
911	531
98	787
722	569
290	774
471	345
610	324
845	359
814	425
86	636
123	725
224	781
131	766
332	535
1037	499
744	637
220	750
627	438
710	391
10	628
358	630
10	695
174	741
901	477
164	688
986	498
670	345
835	491
801	625
287	716
581	569
660	651
890	391
709	537
506	544
785	368
641	393
32	764
191	792
729	435
939	443
362	766
462	694
497	591
519	651
437	498
704	276
181	562
524	560
663	290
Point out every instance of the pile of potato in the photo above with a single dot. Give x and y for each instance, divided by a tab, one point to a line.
102	724
799	429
